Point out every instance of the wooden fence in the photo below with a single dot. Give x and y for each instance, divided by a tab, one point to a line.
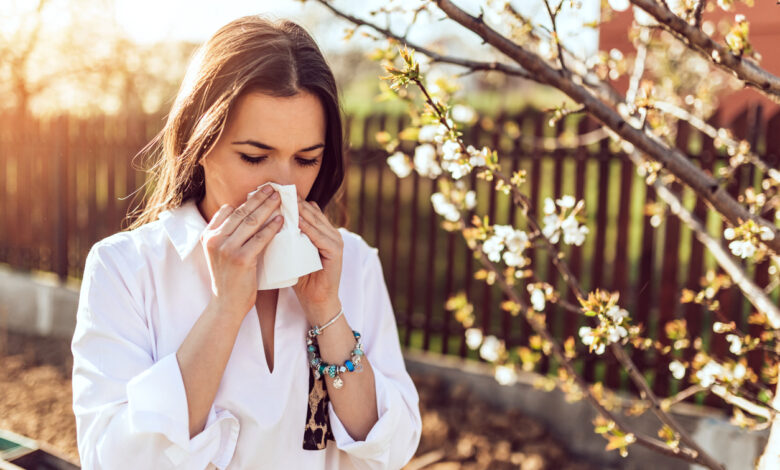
65	182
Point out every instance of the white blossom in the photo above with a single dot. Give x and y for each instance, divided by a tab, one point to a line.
427	133
400	164
735	343
573	233
445	208
463	113
516	241
766	233
719	327
441	133
457	170
615	333
549	206
586	334
729	234
490	349
513	259
492	247
742	248
473	338
506	374
550	228
470	200
538	300
478	157
425	161
566	202
450	150
711	371
503	231
739	371
619	5
617	314
677	369
552	225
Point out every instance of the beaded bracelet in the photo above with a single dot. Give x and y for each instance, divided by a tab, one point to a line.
333	370
317	330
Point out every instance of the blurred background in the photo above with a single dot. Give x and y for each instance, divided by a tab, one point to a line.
85	84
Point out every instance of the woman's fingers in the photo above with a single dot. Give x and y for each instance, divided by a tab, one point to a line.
257	242
309	216
253	221
242	211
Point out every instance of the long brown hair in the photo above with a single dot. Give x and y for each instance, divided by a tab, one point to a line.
252	53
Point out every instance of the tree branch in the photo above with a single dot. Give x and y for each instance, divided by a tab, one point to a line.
521	200
692	455
745	70
753	292
671	158
435	56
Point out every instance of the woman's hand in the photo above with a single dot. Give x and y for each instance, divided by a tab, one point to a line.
233	240
318	292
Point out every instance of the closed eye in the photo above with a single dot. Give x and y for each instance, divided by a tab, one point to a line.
256	160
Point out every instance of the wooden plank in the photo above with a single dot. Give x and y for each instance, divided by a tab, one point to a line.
693	312
669	300
536	211
430	263
598	262
410	288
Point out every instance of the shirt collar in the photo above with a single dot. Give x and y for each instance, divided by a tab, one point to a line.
184	226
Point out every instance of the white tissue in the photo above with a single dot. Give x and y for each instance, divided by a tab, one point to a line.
290	254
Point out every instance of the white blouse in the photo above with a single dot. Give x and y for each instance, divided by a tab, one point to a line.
142	292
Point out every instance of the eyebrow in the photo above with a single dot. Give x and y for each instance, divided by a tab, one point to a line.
263	146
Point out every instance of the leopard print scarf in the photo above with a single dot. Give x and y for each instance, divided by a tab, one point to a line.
317	430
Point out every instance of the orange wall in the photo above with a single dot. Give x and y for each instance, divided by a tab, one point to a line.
764	19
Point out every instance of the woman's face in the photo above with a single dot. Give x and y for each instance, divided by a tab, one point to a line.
265	139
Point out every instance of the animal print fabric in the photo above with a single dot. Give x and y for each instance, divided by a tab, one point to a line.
317	430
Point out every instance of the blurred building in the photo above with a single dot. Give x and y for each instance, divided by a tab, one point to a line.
764	19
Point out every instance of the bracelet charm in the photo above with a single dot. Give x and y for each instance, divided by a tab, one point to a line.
321	368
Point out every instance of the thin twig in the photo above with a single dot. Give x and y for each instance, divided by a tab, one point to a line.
693	37
553	15
670	157
521	200
697	13
508	69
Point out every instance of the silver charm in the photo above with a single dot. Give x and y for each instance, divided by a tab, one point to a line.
338	383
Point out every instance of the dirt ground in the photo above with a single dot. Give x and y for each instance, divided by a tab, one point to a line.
459	431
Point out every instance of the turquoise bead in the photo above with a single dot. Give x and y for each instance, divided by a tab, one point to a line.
321	368
350	365
311	348
358	352
332	371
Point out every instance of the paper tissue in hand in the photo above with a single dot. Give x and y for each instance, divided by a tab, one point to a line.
290	254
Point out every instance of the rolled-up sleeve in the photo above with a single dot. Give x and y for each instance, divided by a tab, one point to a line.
131	410
394	438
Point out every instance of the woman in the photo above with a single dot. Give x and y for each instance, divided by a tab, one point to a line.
179	361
